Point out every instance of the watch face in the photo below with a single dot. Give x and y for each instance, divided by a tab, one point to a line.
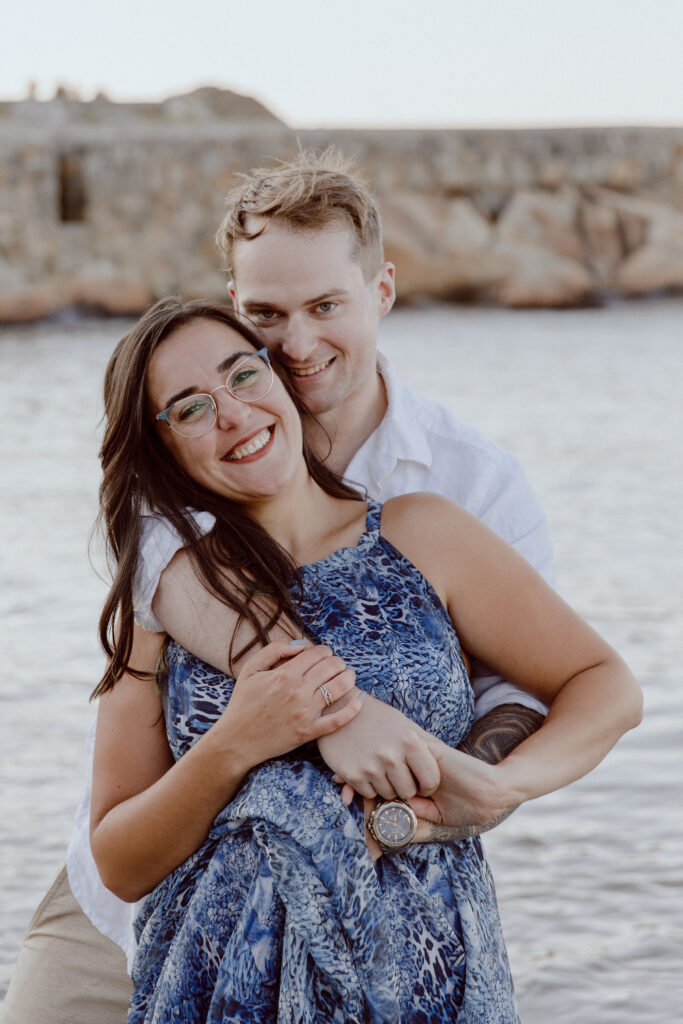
394	824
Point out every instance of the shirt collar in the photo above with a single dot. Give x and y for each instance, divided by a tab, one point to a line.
399	435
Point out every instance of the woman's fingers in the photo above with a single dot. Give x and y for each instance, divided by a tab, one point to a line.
332	689
417	773
271	655
402	774
302	682
384	789
423	766
402	781
325	669
326	724
347	794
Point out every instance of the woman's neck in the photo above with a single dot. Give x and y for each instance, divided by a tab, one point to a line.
309	523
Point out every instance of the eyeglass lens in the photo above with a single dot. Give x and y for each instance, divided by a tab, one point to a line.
195	415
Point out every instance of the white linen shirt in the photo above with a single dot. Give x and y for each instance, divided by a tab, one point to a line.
418	446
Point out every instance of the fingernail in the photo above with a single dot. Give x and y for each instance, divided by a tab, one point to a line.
298	643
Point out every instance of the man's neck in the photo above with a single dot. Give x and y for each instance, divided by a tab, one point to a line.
348	426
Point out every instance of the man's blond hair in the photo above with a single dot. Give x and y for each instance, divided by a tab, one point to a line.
306	194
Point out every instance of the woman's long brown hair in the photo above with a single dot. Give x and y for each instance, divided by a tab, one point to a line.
141	478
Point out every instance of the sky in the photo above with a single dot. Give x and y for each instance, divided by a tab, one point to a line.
365	63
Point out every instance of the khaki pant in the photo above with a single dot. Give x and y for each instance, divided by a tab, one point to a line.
67	971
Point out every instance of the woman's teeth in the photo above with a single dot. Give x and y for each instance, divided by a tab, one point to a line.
253	445
307	371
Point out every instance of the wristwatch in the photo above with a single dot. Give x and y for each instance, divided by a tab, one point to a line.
392	824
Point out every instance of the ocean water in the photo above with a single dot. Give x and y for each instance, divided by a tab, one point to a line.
590	879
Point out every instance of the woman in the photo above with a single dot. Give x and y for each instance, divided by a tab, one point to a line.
265	902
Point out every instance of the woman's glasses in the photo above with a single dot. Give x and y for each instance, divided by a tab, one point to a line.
250	380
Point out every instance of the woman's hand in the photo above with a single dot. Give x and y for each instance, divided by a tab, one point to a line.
150	812
381	753
278	700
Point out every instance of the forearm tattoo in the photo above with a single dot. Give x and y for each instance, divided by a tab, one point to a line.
500	731
490	739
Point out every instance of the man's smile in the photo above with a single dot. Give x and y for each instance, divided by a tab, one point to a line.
309	371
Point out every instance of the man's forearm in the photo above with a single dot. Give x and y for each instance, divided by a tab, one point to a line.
491	739
500	731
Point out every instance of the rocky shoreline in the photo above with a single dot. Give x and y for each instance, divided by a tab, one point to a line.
108	206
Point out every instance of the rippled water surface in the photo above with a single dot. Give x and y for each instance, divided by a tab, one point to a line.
590	880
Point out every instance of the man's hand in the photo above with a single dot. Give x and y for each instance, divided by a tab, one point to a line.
466	802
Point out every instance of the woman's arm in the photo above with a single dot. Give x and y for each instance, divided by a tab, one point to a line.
507	617
382	751
149	812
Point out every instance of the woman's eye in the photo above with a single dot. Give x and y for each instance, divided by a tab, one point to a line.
243	376
192	410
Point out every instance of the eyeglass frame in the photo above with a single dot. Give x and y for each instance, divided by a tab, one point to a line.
163	415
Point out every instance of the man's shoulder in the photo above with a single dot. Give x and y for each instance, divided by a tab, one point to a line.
446	433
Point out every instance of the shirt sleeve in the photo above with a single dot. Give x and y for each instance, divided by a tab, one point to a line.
159	542
514	512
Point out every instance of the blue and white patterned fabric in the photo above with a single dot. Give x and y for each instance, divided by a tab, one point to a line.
281	915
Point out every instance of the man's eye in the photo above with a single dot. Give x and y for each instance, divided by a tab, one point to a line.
325	307
264	316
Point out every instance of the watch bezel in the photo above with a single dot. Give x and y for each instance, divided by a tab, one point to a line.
376	815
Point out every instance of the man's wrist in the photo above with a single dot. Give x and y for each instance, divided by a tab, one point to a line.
431	832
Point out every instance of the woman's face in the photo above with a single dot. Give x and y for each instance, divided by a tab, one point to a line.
253	450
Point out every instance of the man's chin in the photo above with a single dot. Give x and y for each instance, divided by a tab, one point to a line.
317	405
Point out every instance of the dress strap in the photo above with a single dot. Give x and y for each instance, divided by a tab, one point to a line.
373	519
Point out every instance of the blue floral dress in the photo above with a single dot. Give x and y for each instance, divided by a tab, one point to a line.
281	914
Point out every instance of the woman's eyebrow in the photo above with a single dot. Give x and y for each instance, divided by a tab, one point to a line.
222	367
227	363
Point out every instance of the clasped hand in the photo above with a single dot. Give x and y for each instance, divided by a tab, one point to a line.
381	753
278	699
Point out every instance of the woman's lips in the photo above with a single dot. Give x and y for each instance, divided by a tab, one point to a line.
254	446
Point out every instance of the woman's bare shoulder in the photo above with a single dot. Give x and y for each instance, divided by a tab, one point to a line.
422	511
423	527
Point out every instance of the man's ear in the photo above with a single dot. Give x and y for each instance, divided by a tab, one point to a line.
233	295
386	288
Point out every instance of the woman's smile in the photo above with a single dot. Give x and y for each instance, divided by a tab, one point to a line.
253	447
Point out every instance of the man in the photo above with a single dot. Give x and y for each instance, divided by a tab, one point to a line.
303	246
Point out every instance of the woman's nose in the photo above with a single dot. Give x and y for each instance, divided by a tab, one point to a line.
230	411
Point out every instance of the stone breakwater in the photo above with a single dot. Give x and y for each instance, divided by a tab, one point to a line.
113	212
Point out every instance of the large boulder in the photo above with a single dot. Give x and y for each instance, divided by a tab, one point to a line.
529	276
657	265
654	251
31	302
604	241
116	296
544	220
440	245
538	252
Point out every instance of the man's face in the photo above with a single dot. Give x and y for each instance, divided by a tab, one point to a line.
310	301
